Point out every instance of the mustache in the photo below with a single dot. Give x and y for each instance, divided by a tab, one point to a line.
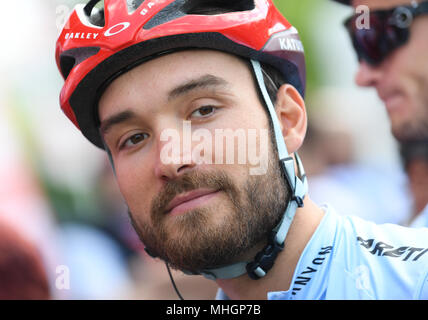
216	180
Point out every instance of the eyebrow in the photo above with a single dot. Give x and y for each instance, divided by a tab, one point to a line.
205	81
116	119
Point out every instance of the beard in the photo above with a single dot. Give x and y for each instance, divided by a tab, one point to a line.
213	236
411	132
417	127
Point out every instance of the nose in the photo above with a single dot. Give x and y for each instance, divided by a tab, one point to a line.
171	171
367	75
173	158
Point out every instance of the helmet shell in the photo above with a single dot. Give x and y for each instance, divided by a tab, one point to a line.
91	54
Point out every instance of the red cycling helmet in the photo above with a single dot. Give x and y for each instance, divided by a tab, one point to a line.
98	44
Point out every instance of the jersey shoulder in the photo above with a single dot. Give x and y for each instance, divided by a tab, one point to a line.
382	261
387	240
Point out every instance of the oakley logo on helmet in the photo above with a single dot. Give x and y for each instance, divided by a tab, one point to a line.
81	35
117	28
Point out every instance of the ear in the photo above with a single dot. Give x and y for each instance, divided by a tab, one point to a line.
291	111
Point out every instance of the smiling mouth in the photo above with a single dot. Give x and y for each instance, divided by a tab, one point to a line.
392	100
190	200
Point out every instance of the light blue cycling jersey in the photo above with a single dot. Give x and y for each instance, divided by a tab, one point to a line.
350	258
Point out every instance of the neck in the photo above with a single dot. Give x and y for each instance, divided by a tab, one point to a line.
279	277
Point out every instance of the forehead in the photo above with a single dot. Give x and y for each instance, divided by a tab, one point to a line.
155	78
381	4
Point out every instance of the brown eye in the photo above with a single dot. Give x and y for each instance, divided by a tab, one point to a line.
134	140
204	111
137	138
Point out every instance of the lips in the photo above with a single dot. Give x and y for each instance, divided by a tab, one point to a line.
188	197
393	102
392	99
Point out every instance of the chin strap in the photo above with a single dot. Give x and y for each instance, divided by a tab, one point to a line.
265	259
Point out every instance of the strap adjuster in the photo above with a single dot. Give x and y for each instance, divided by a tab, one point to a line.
265	259
299	201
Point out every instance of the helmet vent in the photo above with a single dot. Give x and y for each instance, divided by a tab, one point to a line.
133	5
66	63
73	57
213	7
95	12
180	8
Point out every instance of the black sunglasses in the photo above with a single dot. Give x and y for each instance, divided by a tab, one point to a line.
389	30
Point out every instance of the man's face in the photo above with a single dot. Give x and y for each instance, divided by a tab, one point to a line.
401	80
194	215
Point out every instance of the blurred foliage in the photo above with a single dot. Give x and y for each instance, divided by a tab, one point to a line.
300	13
68	204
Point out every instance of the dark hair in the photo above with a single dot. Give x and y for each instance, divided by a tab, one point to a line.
416	149
273	80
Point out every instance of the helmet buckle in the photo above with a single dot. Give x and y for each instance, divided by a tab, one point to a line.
265	259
